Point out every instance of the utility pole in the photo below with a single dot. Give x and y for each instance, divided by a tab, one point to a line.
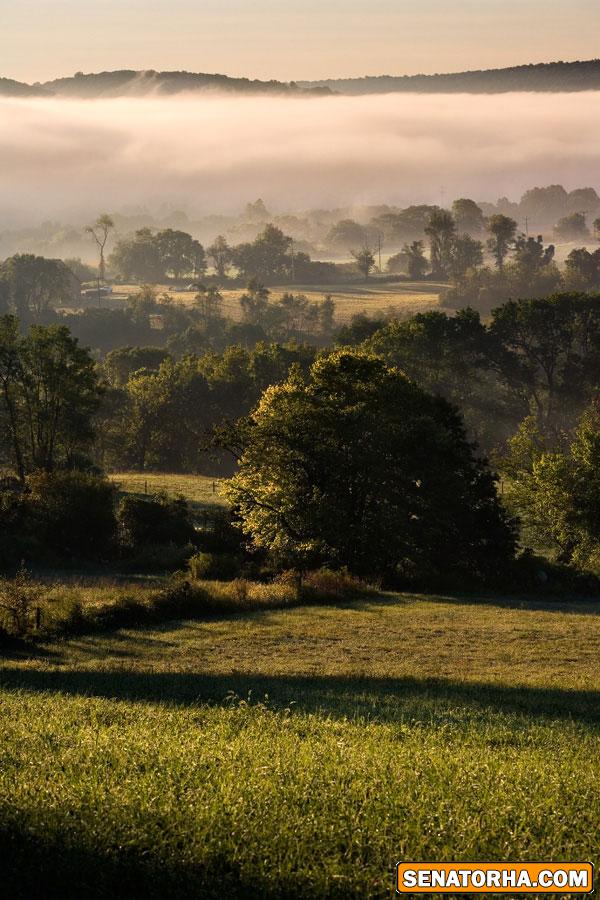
379	249
443	195
526	226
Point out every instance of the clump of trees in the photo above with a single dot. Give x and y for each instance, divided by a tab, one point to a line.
154	257
33	286
354	465
556	492
270	258
49	392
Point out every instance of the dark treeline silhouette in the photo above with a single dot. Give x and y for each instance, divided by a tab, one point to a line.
129	82
580	75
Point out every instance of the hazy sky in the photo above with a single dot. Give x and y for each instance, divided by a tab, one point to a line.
288	39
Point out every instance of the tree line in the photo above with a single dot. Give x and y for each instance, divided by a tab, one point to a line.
379	434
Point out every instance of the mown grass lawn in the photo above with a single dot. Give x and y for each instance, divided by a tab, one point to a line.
301	752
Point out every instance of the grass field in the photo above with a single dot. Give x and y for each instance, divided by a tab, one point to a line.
370	297
300	752
201	491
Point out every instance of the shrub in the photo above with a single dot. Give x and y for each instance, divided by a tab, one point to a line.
222	534
156	520
18	539
159	558
73	514
217	566
327	584
20	597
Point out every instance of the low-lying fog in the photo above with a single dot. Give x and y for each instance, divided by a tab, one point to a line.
211	153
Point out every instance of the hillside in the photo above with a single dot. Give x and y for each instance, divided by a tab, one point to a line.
546	77
11	88
128	82
549	77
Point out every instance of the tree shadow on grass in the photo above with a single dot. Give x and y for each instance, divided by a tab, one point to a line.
47	866
380	699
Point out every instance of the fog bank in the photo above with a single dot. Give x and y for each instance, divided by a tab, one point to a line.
212	153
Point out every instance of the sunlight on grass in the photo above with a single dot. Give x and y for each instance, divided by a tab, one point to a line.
302	751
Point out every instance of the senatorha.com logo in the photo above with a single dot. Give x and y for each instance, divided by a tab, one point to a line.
495	878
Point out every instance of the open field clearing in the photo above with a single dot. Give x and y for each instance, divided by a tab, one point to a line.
405	298
200	490
300	752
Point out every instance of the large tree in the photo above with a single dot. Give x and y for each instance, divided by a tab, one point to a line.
557	492
221	255
356	466
468	217
551	353
441	231
50	391
502	231
180	253
32	285
153	257
267	257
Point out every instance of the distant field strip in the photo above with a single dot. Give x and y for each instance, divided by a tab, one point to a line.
200	490
371	298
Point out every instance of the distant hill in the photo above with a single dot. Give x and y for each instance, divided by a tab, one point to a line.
128	82
556	76
10	88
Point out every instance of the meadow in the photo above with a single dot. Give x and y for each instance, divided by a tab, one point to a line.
372	297
201	491
300	752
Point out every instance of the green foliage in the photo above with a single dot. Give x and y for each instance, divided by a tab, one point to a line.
468	217
215	566
502	230
20	597
267	258
582	269
72	515
152	257
441	231
153	521
357	466
557	493
365	261
553	346
457	358
34	285
572	227
346	235
50	390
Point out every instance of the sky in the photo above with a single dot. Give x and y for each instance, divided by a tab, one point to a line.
290	39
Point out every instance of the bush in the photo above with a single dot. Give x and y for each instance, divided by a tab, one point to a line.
222	535
73	515
156	520
216	566
20	598
159	558
327	584
18	538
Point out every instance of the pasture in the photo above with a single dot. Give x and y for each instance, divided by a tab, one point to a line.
372	297
300	752
201	491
